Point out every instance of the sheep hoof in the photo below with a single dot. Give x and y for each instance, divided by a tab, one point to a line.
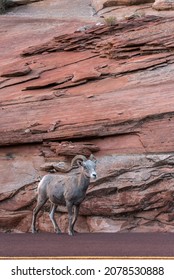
34	231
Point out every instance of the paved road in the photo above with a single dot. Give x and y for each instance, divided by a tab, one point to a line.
87	244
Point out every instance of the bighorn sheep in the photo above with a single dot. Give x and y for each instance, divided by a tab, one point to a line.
69	191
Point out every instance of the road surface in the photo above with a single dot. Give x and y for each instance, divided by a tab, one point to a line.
87	244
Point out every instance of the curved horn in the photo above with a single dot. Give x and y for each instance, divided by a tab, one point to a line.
77	158
74	160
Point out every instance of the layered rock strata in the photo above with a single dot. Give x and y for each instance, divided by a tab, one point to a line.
107	90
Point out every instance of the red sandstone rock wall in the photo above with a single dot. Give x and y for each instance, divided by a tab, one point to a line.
107	90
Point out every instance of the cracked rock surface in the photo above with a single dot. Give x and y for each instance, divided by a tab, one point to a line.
77	87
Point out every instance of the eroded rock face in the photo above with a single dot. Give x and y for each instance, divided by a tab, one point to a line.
132	193
120	64
107	90
162	5
14	3
100	4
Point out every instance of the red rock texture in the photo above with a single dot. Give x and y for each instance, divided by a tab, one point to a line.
100	4
161	5
120	60
107	90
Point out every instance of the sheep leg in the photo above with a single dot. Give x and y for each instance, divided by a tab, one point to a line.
52	218
40	203
76	211
70	217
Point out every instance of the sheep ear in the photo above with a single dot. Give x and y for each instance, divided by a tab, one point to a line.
92	158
